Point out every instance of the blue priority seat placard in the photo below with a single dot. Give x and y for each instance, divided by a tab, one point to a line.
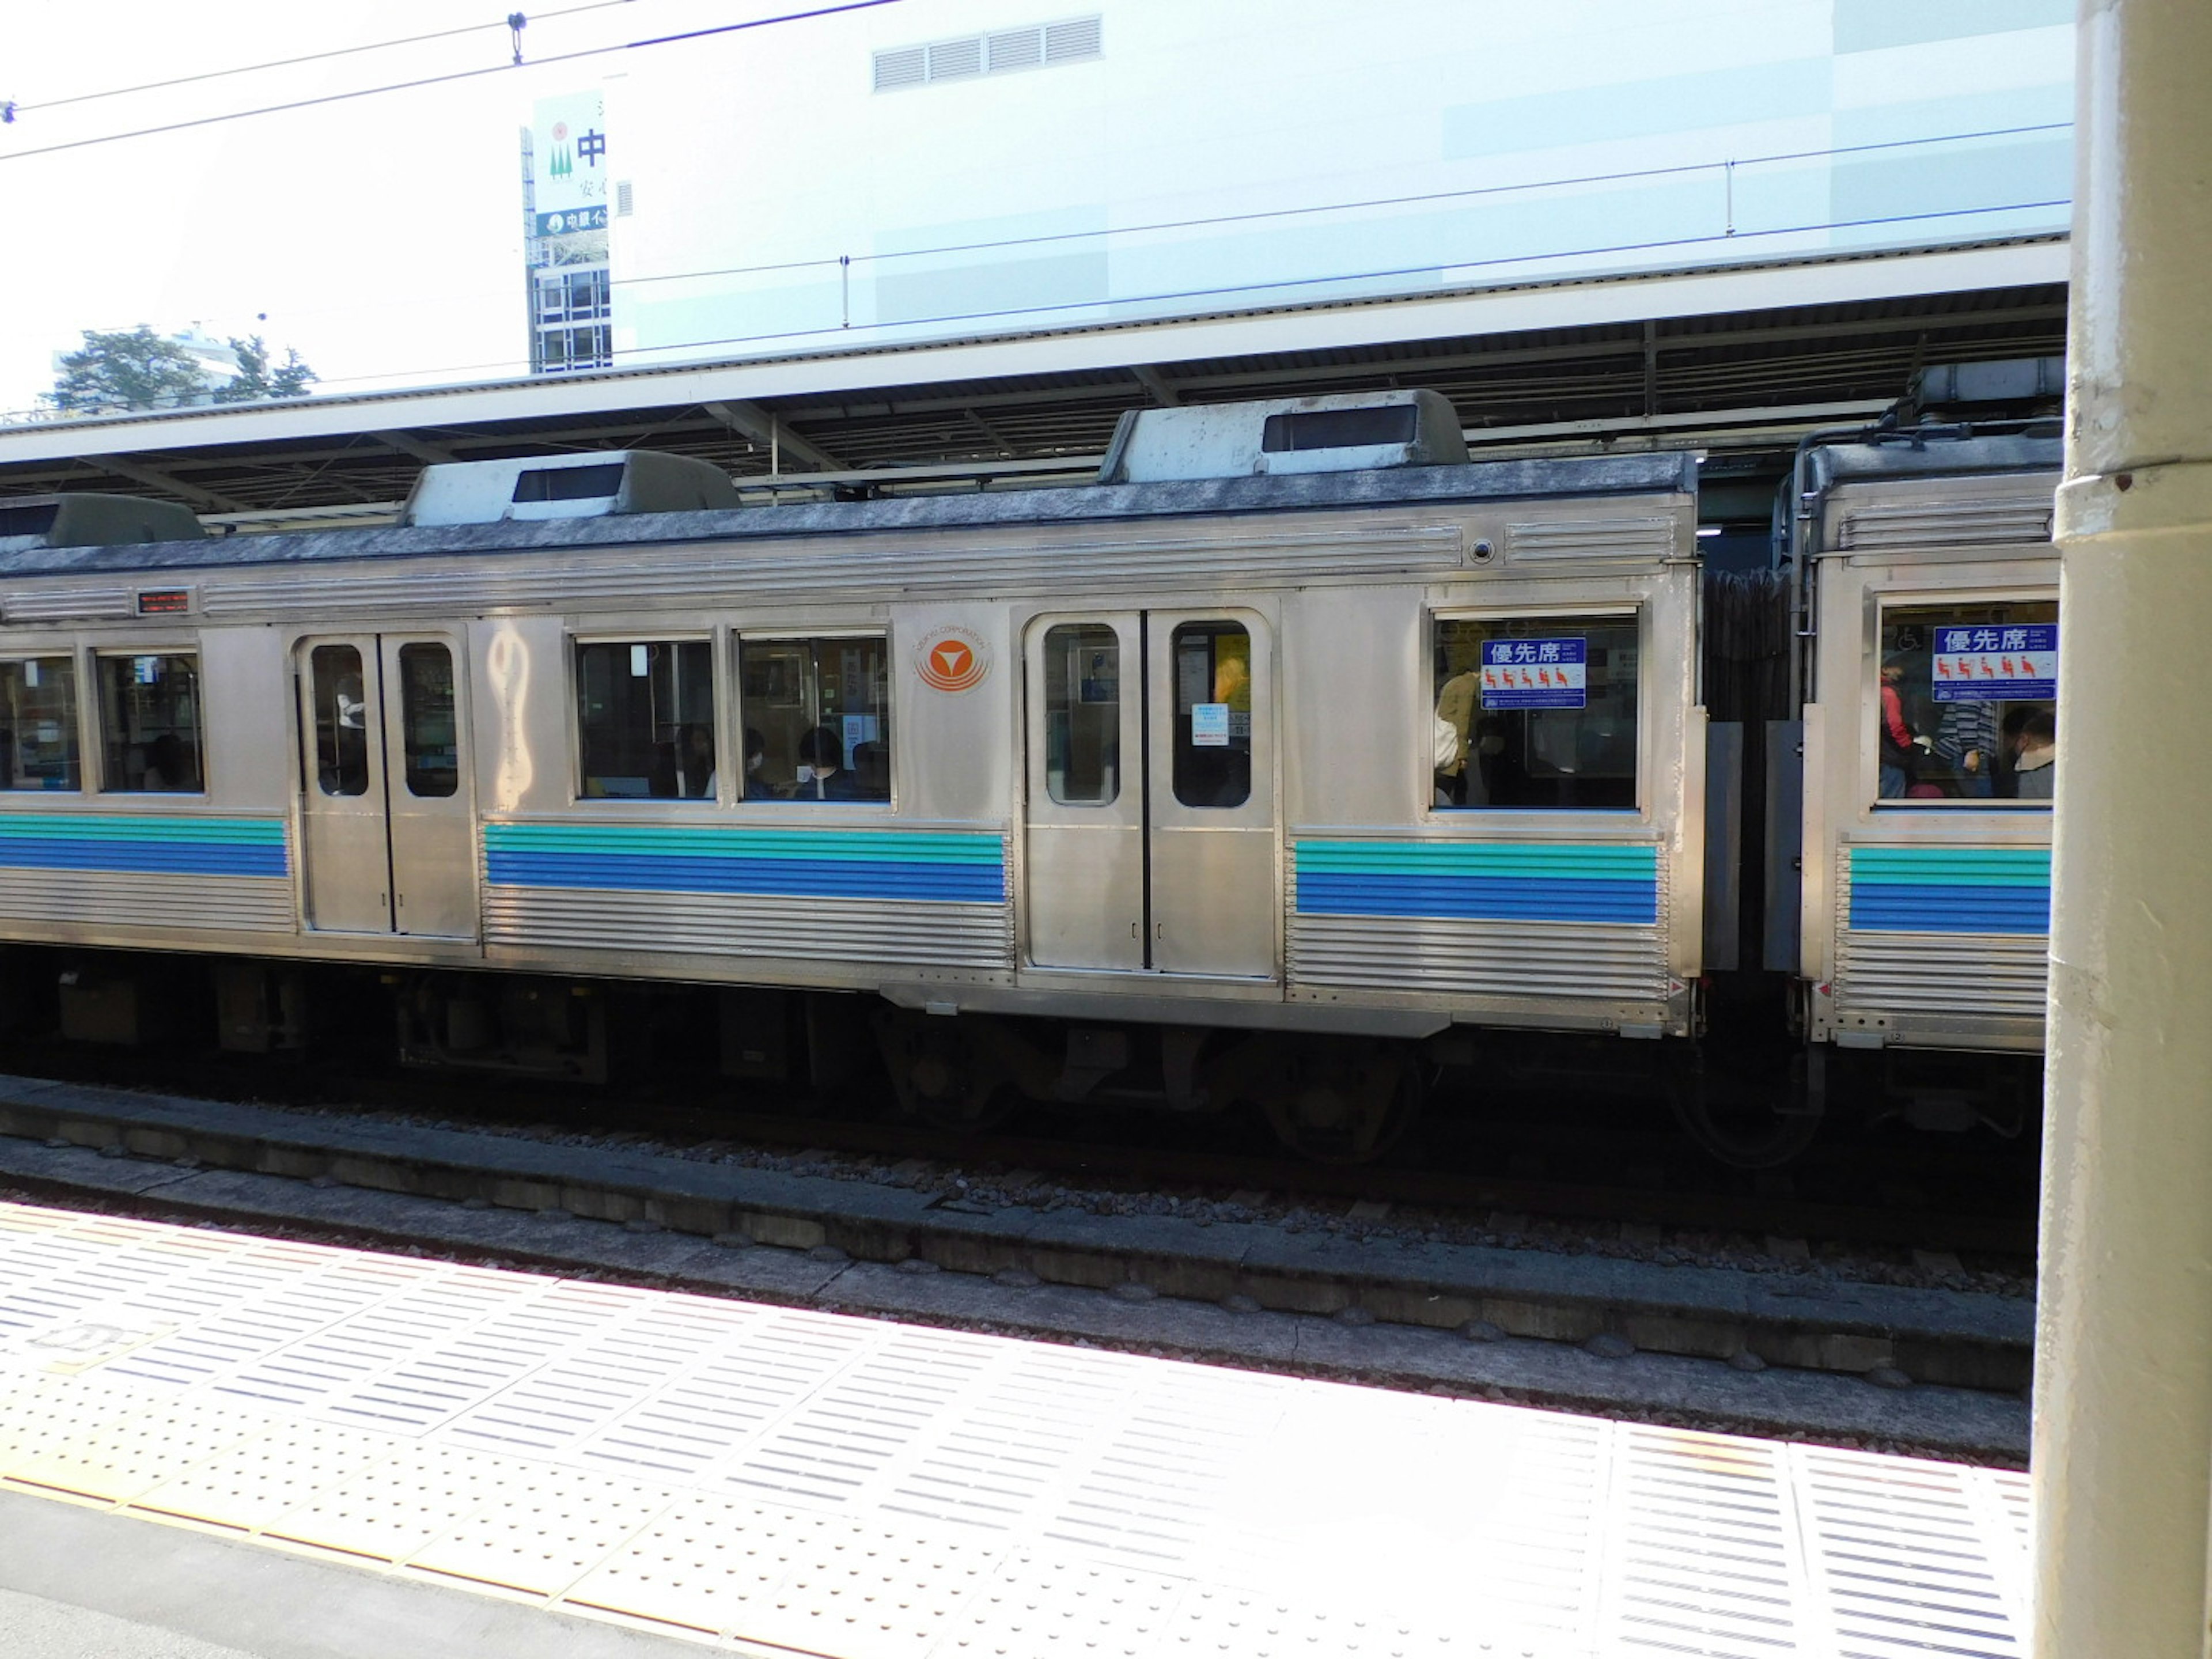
1996	662
1535	673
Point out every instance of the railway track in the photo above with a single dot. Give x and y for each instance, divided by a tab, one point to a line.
1586	1160
498	1192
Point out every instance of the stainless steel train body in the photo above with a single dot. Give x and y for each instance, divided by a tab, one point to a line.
1928	565
393	761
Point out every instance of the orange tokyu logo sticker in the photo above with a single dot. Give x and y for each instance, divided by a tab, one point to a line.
952	659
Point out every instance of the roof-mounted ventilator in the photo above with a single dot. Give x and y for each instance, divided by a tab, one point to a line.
590	486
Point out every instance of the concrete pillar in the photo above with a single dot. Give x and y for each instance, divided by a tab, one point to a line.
2123	1444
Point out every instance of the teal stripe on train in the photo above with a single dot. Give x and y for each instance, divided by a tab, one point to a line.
1951	890
1490	881
143	843
956	866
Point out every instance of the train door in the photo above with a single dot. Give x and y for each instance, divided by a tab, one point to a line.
1150	818
387	827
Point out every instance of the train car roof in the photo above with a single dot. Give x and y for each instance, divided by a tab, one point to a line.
1476	482
1921	455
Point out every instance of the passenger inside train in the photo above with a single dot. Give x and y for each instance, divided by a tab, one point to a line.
1960	686
1542	713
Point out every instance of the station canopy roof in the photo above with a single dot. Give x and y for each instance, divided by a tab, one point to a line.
1745	358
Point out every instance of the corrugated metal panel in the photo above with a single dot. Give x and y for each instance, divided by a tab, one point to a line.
1947	890
69	603
884	565
1878	525
1963	974
1490	881
128	898
34	838
1541	960
955	867
2002	974
729	925
1593	538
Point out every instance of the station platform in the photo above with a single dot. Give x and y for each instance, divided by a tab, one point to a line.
273	1448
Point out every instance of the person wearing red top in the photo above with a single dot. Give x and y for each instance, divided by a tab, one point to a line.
1898	752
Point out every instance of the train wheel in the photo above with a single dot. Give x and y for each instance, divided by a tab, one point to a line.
1342	1103
1757	1120
943	1077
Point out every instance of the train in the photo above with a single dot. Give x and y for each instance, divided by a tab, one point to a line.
1296	758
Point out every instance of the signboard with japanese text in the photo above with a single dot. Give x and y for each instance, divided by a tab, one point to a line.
561	224
1996	662
1535	673
568	163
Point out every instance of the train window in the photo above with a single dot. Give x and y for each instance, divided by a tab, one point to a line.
1534	712
817	719
645	719
149	722
1965	706
38	700
430	739
341	721
1213	714
1083	713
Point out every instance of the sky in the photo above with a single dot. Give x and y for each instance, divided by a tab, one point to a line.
380	236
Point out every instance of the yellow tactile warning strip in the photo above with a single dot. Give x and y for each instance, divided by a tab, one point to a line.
773	1480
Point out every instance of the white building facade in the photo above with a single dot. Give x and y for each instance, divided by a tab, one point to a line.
948	169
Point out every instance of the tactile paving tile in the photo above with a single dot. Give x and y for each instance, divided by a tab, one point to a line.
112	1446
1038	1605
861	1593
779	1478
1148	1494
544	1529
1897	1554
1703	1555
1213	1623
273	1474
402	1503
702	1563
833	1449
586	1395
1009	1454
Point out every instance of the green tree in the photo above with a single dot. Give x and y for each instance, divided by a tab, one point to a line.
133	370
256	380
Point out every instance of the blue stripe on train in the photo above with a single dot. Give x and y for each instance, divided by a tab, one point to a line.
1929	907
143	857
1488	898
961	884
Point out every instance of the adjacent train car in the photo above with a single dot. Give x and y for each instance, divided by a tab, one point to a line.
1298	743
1929	610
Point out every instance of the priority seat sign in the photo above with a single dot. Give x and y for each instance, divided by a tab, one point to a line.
1535	673
1994	662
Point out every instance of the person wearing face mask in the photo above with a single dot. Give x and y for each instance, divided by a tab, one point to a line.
756	786
822	773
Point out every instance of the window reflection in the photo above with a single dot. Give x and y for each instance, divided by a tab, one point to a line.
1534	712
1966	706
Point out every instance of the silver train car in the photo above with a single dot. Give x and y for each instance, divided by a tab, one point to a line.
1296	756
1295	750
1927	607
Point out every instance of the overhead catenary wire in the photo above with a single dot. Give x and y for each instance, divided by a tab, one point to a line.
16	107
447	79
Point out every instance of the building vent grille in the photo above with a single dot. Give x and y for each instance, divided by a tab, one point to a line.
1001	53
1014	48
1079	36
623	202
951	60
907	67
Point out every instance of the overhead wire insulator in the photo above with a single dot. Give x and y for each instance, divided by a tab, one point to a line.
516	22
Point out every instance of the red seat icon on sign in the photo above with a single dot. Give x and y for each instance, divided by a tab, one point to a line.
952	660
